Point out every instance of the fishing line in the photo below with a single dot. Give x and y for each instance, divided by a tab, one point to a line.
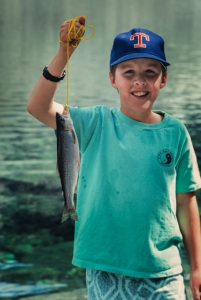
75	35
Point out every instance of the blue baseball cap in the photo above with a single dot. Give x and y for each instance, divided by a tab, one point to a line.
138	43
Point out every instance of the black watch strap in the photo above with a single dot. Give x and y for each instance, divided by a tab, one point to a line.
50	77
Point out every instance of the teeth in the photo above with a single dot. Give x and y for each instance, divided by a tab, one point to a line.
139	94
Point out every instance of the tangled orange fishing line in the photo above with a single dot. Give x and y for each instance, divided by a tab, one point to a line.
75	35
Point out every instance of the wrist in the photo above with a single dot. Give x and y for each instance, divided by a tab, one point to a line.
57	65
196	269
49	76
63	50
195	262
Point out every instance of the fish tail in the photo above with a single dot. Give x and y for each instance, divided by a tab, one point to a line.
71	214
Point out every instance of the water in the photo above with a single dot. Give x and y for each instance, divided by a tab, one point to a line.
29	38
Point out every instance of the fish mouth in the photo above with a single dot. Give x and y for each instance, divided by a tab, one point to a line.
140	94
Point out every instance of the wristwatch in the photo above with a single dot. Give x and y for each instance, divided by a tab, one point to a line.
50	77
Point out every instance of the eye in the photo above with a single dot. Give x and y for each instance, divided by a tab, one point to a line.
152	72
128	73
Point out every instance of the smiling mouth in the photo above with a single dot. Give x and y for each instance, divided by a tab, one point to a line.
139	94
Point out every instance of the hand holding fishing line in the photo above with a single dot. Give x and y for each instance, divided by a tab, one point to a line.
71	34
72	31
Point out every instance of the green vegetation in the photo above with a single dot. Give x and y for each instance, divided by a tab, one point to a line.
31	233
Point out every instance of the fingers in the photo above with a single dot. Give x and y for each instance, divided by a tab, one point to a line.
196	291
72	30
196	296
82	20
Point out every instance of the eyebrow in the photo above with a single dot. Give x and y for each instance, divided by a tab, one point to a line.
124	66
128	65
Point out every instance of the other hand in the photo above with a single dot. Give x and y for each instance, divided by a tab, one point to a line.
195	284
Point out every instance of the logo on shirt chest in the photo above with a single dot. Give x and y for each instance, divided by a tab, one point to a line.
165	158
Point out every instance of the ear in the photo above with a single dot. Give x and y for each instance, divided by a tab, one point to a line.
164	80
112	80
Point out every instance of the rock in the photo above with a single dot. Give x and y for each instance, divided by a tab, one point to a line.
15	291
13	265
78	294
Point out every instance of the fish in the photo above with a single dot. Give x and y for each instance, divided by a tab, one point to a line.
68	163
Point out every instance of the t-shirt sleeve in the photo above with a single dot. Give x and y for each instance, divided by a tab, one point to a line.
85	121
188	175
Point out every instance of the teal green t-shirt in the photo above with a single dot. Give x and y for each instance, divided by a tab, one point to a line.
129	176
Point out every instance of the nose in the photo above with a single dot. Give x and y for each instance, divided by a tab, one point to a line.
139	82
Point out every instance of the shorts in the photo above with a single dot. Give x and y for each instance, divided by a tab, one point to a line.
109	286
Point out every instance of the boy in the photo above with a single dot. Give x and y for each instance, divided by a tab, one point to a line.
137	180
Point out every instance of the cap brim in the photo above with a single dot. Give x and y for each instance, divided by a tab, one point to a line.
139	55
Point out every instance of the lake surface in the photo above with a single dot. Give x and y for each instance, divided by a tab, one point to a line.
29	38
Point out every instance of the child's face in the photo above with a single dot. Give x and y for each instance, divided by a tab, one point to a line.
138	82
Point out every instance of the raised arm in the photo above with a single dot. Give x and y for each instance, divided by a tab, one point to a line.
189	221
41	102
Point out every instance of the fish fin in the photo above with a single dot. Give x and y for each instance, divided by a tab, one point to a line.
69	215
74	136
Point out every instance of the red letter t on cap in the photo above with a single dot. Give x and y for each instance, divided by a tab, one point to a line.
139	37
